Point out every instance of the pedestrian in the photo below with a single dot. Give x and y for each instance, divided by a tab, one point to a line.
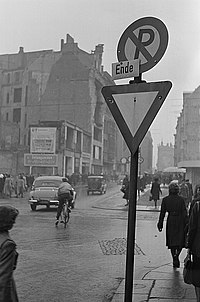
1	184
20	186
194	246
8	186
177	220
190	190
155	191
8	255
195	199
125	189
184	192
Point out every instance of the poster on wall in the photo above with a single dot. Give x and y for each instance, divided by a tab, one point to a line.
43	140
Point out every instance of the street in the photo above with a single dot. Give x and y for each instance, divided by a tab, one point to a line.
57	264
85	261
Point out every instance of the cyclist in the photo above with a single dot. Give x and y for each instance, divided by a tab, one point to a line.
65	191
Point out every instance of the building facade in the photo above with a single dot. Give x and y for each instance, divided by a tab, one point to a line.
61	89
165	156
187	136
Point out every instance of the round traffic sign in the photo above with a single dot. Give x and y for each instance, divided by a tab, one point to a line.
123	160
145	39
141	160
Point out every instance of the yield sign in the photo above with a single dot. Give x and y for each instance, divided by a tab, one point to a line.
134	107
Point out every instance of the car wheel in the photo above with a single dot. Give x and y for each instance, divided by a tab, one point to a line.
33	207
48	206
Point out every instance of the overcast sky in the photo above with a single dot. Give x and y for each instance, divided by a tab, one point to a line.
41	24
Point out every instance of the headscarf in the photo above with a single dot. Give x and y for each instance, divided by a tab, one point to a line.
173	188
8	216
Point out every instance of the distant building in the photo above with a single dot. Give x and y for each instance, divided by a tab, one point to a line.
165	156
187	136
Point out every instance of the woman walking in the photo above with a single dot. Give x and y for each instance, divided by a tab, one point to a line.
155	191
194	246
177	221
8	255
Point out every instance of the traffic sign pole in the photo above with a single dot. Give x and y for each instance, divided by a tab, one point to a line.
131	228
135	106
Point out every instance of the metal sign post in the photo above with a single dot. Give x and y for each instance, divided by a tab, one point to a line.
131	228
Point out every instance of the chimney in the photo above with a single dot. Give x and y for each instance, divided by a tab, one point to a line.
21	49
61	44
69	39
98	56
22	58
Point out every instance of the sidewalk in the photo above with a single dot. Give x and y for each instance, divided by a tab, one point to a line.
155	279
161	284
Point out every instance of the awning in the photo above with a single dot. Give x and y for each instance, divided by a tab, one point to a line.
174	170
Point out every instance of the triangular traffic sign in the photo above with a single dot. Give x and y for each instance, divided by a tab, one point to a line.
134	107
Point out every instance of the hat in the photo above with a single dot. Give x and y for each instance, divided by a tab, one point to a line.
8	215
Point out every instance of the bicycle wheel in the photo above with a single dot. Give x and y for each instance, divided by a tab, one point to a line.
65	214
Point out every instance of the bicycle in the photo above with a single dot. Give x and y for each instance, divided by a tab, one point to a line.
64	216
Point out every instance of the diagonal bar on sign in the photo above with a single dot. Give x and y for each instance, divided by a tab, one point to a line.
140	46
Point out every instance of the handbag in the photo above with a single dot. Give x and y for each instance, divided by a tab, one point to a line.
150	198
187	269
123	190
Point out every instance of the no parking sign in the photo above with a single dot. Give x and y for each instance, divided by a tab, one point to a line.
145	39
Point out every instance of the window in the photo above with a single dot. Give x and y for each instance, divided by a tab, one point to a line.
26	96
17	95
16	115
97	134
86	143
7	98
7	116
78	141
8	78
17	77
24	140
96	152
25	120
69	141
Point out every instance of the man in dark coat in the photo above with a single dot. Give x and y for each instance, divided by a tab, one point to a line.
176	222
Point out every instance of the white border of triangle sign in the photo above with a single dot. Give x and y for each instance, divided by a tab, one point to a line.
134	107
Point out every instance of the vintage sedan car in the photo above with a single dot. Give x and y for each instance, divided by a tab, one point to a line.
96	183
45	192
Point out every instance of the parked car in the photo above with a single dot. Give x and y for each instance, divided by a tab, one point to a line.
45	192
96	183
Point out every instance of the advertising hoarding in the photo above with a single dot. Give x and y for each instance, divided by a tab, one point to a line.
42	140
42	160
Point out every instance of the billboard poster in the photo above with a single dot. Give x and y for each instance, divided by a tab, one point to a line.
43	160
43	140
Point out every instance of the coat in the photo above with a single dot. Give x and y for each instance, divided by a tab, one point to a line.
155	190
194	230
8	261
177	220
